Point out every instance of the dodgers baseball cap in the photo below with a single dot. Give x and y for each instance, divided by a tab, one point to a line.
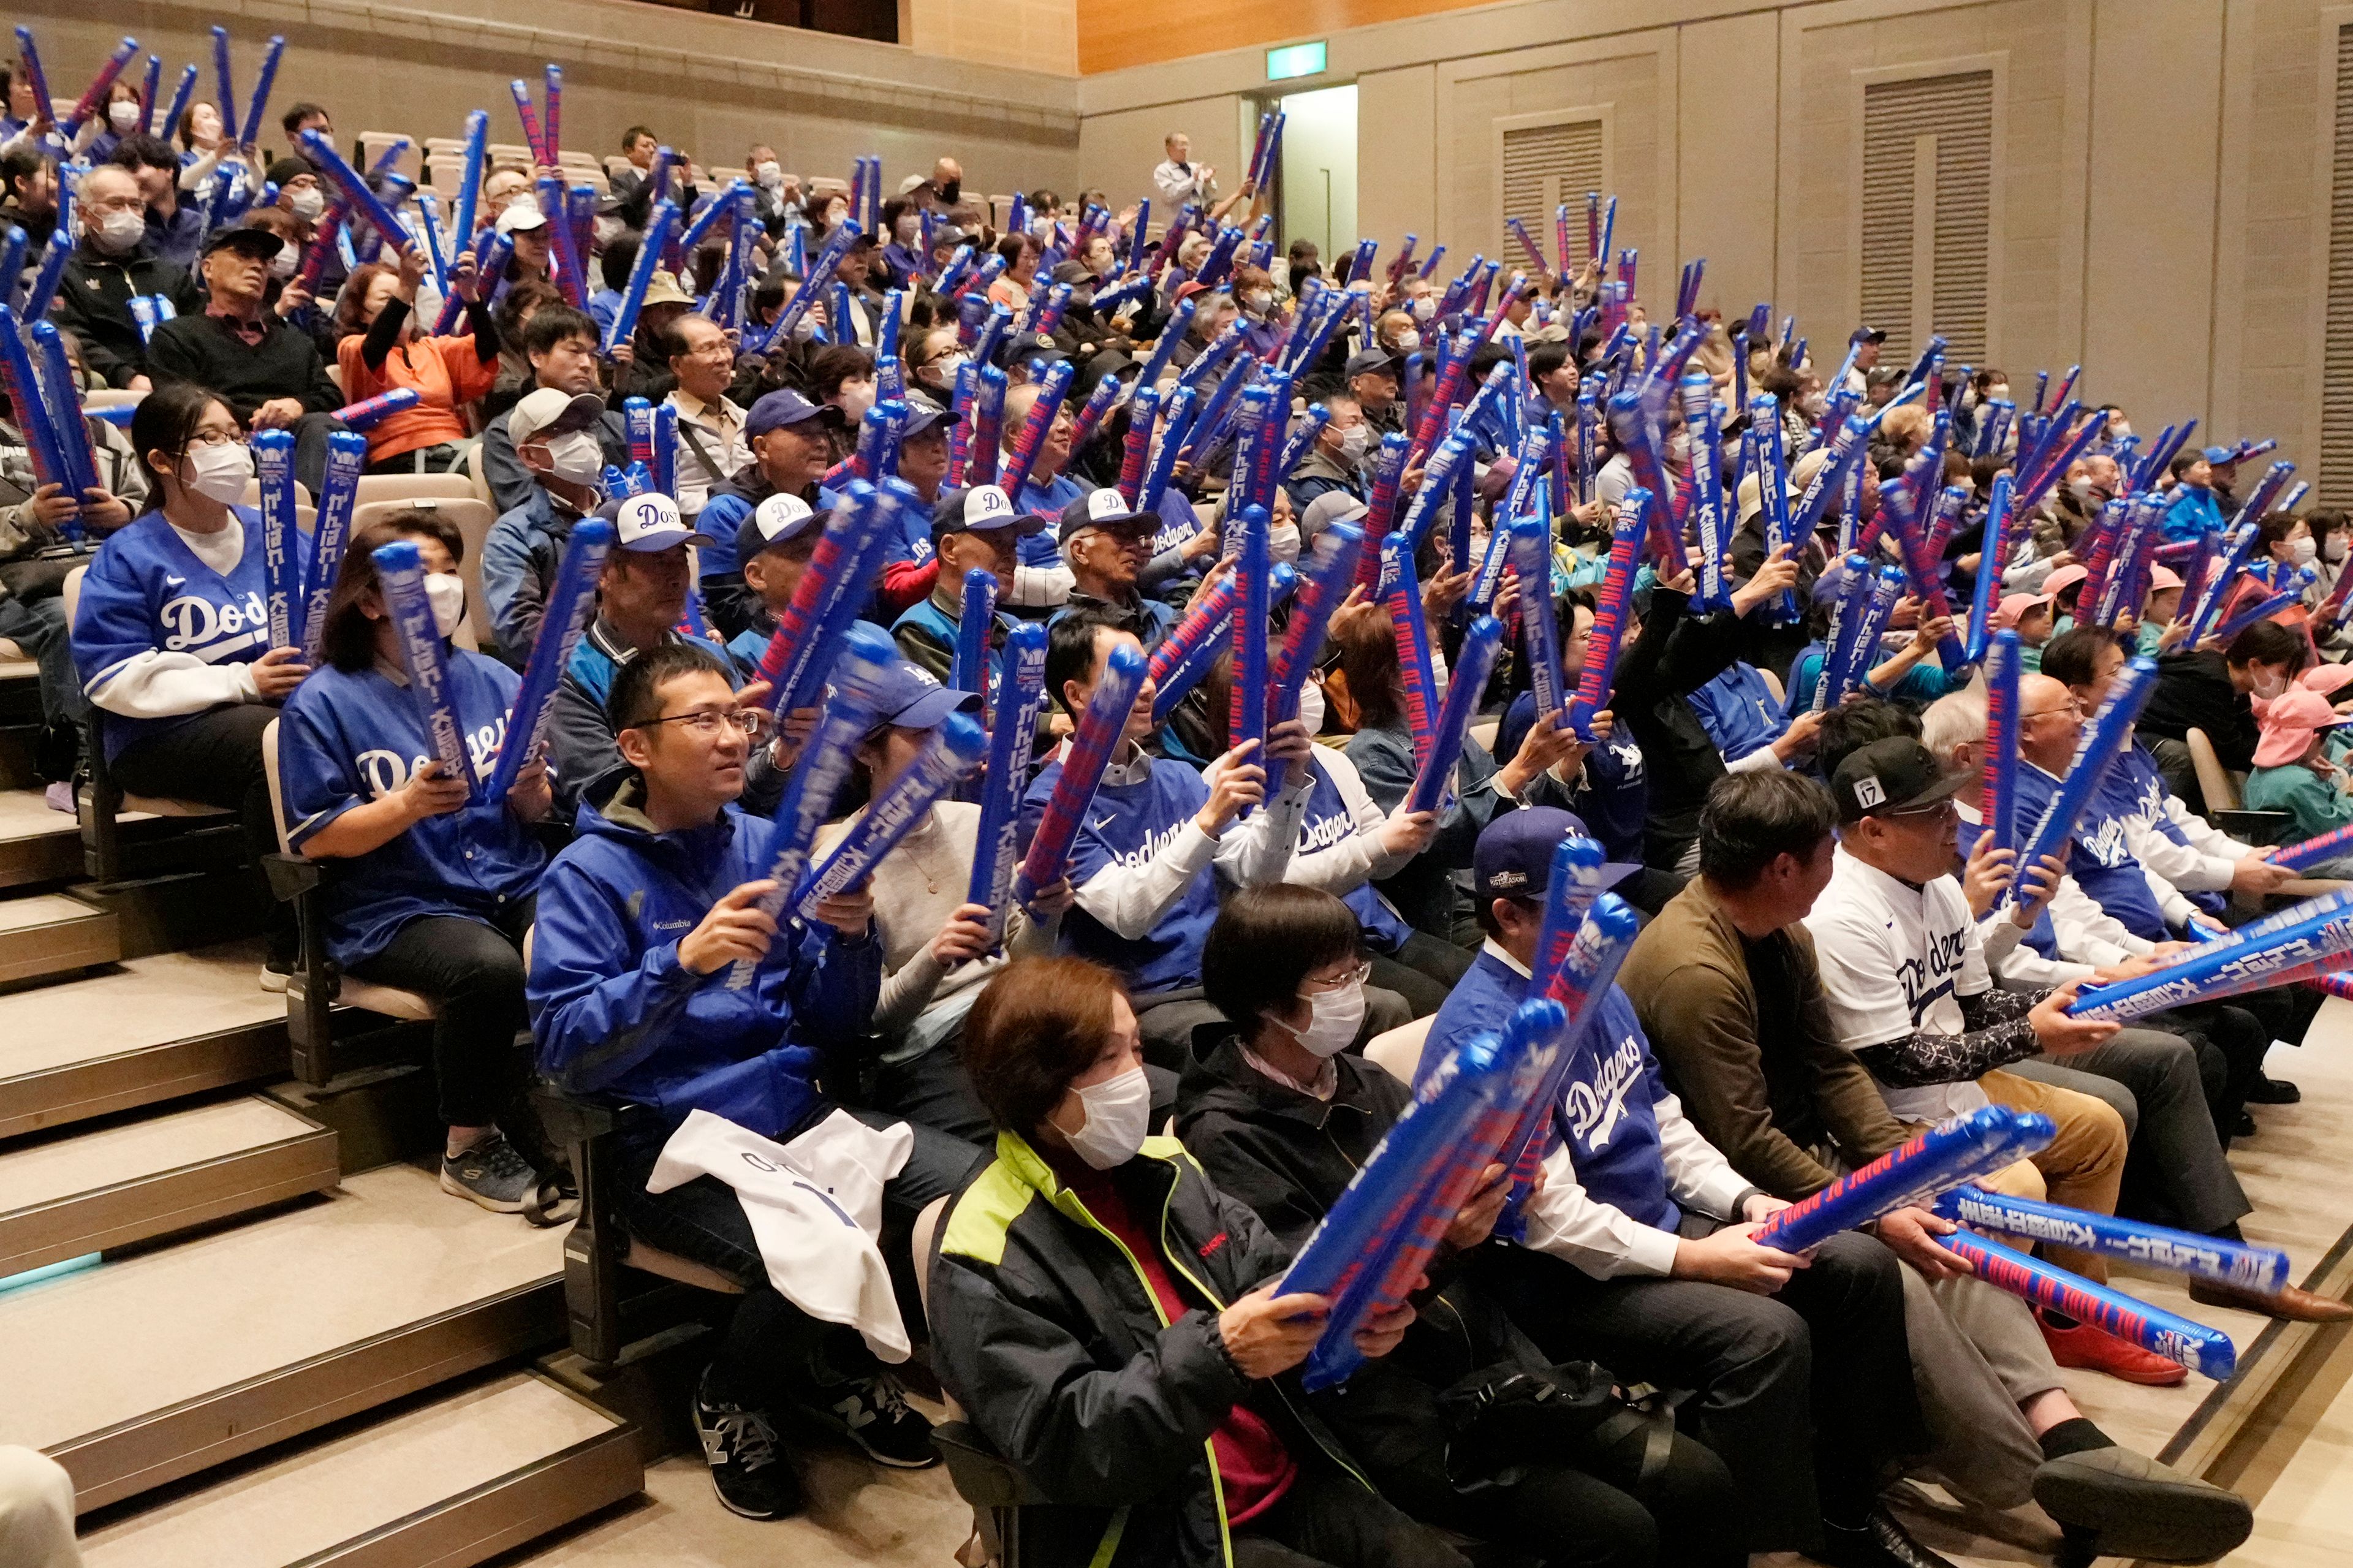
647	523
1514	856
522	215
1891	775
1105	508
923	416
909	698
976	509
784	406
783	518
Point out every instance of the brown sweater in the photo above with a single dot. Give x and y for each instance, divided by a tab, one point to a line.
1743	1035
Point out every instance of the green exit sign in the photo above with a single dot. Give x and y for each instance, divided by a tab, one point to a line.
1293	60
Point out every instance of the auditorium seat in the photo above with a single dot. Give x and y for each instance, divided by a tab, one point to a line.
414	487
473	518
318	984
2219	787
1399	1051
111	398
374	144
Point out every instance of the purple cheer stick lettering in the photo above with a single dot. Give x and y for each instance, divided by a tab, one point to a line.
1997	787
1613	606
1020	696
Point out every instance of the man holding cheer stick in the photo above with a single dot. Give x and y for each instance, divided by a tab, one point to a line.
1789	1107
1151	830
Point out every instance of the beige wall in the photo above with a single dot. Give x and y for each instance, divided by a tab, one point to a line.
711	85
2161	195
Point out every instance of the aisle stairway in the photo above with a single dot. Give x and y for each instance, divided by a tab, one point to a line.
246	1349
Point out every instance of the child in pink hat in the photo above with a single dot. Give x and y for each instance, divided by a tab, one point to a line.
2293	772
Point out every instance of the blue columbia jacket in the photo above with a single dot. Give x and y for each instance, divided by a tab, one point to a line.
616	1016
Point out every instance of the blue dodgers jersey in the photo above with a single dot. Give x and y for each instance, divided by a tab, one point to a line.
2103	864
1129	824
1739	711
2044	939
1326	821
146	590
1613	798
1608	1113
348	738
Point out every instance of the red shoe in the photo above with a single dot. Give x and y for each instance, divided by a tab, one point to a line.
2083	1346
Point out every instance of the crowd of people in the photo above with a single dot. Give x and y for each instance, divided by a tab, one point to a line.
1173	1024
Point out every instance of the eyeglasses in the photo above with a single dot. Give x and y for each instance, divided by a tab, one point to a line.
705	723
1938	811
1354	977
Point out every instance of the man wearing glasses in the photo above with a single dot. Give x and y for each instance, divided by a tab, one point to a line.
641	599
660	982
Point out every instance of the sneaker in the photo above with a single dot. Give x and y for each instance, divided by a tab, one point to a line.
59	797
493	1174
747	1472
873	1412
274	978
2083	1346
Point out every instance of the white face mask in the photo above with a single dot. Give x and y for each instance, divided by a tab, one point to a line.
1311	707
836	216
123	117
2334	549
2304	551
1425	308
1998	393
1282	543
770	174
1334	1019
2080	487
1258	301
306	203
2269	686
1119	1113
1355	442
220	472
1679	447
445	592
281	266
120	231
1408	341
576	457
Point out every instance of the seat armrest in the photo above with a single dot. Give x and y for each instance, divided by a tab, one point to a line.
2257	827
291	876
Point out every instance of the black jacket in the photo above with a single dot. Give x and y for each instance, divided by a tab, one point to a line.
94	305
1053	1342
1674	657
206	350
2194	692
1289	1156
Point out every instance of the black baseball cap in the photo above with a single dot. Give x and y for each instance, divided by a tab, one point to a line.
258	243
1891	775
1372	360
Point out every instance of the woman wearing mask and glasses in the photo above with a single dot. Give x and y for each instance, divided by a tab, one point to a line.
432	885
1282	1115
1114	1323
171	635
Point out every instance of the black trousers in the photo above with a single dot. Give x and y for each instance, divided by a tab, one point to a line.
215	758
1804	1395
773	1353
1328	1521
474	974
1573	1518
1422	971
934	1090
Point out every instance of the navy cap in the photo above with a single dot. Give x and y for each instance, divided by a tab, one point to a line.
783	407
1513	857
1103	508
909	698
1372	360
924	415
